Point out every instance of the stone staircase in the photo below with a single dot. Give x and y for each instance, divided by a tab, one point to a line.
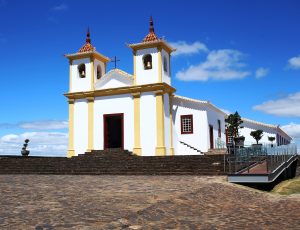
114	162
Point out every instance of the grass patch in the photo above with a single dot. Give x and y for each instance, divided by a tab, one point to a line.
288	187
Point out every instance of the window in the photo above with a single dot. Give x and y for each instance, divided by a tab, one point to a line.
99	72
81	70
219	128
165	64
186	124
147	60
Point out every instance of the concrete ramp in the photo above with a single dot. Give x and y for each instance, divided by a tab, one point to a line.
262	165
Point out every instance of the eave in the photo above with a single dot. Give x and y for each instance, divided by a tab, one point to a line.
91	54
157	87
160	43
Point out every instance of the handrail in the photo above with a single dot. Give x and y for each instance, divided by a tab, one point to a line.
191	146
241	160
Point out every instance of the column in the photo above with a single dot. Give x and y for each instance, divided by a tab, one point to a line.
160	149
92	73
171	124
159	65
137	124
90	101
71	151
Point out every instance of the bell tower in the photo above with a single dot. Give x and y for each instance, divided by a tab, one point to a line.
86	67
151	59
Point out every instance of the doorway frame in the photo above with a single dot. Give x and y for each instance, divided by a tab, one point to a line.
105	131
211	137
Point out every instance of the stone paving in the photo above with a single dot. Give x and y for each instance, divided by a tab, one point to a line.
140	202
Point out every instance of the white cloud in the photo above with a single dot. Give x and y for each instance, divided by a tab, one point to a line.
44	125
293	130
261	72
284	107
41	143
223	64
183	48
60	7
294	62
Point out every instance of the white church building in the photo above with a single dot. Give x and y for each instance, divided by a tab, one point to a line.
140	112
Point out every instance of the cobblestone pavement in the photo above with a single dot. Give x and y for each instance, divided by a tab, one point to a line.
140	202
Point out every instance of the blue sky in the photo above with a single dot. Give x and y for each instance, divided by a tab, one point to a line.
240	55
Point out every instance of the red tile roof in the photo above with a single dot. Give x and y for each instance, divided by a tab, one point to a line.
87	46
151	36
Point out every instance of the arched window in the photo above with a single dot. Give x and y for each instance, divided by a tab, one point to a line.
165	64
81	70
99	72
147	60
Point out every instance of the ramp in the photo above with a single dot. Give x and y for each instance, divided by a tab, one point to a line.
262	165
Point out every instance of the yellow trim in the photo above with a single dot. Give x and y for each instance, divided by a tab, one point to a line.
104	68
134	67
171	124
92	74
144	45
90	124
159	65
91	54
137	124
160	149
122	90
170	69
71	151
70	83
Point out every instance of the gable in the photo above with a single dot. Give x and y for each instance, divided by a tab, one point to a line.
114	79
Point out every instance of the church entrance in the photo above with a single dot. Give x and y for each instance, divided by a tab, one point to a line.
113	130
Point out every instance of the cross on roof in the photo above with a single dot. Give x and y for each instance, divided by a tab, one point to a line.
115	60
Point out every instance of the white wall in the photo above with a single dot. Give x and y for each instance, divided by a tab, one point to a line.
148	123
165	75
249	127
213	117
81	84
146	76
110	105
198	139
80	126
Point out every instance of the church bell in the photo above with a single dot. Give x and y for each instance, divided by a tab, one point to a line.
148	64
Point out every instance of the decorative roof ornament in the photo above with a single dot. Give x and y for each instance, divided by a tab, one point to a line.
87	47
151	36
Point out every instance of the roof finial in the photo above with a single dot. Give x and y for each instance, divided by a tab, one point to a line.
88	39
151	25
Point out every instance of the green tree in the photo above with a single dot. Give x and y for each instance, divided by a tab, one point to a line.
271	139
233	124
257	135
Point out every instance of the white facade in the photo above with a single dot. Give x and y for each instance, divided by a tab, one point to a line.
80	126
204	114
148	123
134	111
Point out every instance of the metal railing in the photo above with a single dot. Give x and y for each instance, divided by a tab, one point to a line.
219	144
243	159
